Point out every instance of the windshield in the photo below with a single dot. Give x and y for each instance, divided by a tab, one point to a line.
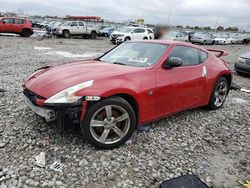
139	54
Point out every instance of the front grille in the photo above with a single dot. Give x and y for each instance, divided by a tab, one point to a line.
114	36
31	96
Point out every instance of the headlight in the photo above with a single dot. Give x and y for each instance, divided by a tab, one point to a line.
68	95
242	60
120	35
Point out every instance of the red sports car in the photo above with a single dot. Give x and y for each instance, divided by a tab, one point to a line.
133	84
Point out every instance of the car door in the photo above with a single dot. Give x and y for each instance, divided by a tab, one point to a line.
8	25
74	28
135	34
81	28
181	87
18	25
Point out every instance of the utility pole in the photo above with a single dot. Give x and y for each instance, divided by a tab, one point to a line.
216	22
169	14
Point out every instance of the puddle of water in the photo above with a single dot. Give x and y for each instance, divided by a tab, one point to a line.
241	101
42	48
70	55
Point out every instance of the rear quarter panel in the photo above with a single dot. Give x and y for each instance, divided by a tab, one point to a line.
215	69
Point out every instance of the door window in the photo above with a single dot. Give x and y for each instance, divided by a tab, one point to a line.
73	24
18	21
190	56
138	30
80	23
8	20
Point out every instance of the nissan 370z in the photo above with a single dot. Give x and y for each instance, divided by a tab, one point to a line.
133	84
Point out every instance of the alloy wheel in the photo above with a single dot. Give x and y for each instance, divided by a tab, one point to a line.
109	124
220	93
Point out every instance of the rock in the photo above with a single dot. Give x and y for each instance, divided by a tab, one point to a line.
2	145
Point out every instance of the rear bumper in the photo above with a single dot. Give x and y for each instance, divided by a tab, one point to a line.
243	68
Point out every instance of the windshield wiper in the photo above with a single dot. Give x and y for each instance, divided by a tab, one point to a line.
118	63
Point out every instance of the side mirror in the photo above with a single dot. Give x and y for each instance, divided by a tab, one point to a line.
172	62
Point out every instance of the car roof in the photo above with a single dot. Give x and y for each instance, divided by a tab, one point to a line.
15	18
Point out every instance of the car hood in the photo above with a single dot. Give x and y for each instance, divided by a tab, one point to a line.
245	55
51	80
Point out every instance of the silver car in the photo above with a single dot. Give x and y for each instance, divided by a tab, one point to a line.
202	38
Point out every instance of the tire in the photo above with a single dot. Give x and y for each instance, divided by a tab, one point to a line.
204	42
145	38
93	35
95	134
213	103
66	34
26	33
127	39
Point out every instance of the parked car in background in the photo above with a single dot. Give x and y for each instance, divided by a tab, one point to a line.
237	38
144	81
176	36
15	25
76	28
242	65
246	39
43	24
150	33
52	28
223	40
129	33
202	38
106	31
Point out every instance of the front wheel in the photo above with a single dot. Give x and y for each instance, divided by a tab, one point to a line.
219	94
66	34
109	123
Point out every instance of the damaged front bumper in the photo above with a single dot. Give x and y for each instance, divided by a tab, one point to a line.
64	116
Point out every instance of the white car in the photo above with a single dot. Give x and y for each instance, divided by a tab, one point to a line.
150	33
129	33
223	40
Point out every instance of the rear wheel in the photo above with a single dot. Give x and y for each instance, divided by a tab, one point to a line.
219	94
93	35
145	38
26	33
109	123
66	34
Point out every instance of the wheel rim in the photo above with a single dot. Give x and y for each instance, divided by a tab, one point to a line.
220	94
109	124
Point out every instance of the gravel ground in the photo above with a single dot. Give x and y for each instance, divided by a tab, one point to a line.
211	144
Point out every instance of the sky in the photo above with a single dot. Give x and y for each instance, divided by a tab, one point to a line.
177	12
